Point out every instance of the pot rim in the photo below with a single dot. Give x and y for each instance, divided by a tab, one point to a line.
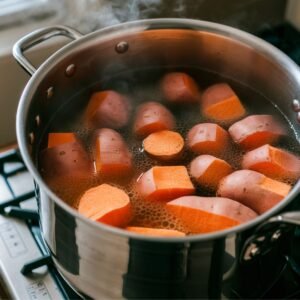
137	26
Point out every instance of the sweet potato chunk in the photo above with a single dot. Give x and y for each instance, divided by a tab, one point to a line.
255	131
207	138
207	214
112	157
106	204
155	231
164	145
108	109
58	138
220	103
65	161
165	183
273	162
178	87
152	117
253	189
208	170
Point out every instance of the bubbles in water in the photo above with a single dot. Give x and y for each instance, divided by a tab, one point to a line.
144	86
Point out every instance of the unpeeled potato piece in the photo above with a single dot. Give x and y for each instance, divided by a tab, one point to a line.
208	214
207	138
151	117
108	109
112	156
273	162
220	103
179	87
164	183
65	161
256	130
208	170
253	189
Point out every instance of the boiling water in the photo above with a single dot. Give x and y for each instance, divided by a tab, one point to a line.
141	86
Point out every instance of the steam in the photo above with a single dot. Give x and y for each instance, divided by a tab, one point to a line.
90	15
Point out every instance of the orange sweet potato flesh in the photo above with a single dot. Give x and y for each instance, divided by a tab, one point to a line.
178	87
255	131
106	204
207	138
208	170
253	189
108	109
208	214
273	162
151	117
220	103
164	145
112	156
165	183
58	138
155	231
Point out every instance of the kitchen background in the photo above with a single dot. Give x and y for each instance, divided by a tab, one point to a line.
18	17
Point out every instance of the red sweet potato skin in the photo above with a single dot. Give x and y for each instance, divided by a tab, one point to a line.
252	189
207	214
151	117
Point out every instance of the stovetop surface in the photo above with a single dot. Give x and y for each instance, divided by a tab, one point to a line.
22	248
21	242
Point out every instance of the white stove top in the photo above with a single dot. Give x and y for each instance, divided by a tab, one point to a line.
18	247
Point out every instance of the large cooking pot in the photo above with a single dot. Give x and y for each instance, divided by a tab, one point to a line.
106	262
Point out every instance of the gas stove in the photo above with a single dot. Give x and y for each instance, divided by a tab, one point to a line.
26	266
27	271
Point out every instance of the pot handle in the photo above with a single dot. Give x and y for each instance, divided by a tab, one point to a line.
35	38
265	236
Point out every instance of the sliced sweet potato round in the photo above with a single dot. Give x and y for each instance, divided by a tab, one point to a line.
106	204
164	145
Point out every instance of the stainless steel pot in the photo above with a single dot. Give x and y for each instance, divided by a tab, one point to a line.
105	262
